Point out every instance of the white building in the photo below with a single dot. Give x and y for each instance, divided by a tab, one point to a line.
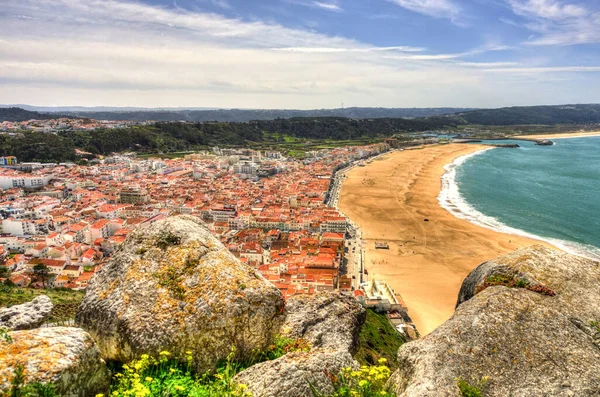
23	227
23	181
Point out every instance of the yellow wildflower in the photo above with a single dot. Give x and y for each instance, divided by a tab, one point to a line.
382	360
164	353
149	379
172	370
179	388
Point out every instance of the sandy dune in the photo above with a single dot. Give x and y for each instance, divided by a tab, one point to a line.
427	261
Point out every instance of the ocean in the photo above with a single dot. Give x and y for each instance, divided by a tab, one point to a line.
550	193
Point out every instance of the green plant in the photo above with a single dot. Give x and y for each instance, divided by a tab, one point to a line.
171	279
368	381
40	390
18	381
469	390
166	377
18	388
280	347
378	339
595	325
514	282
283	345
4	335
167	239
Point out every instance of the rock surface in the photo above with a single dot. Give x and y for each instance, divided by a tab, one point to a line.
173	286
26	316
293	374
533	339
65	357
330	322
327	320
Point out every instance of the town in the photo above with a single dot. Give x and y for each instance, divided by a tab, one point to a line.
61	222
64	124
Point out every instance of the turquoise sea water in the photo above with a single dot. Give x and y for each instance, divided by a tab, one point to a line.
548	192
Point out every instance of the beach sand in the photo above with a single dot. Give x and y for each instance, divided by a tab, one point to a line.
563	135
426	261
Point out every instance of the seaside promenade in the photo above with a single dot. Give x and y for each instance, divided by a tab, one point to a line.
394	201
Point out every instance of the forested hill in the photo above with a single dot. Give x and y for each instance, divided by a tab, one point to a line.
546	115
171	137
18	114
242	115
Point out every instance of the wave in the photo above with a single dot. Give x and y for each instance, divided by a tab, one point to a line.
451	200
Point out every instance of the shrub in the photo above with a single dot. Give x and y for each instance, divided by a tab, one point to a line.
468	390
165	377
19	389
368	381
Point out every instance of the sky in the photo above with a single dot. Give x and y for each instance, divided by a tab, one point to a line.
301	54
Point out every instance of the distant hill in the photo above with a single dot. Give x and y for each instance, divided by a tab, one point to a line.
561	114
519	115
18	114
244	115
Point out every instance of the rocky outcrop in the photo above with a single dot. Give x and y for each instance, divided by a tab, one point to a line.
526	322
327	320
173	286
65	357
26	316
330	322
293	374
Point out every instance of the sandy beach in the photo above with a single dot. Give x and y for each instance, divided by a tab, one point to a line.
427	260
562	136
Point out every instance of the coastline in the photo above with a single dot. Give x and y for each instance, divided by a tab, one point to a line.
566	135
451	199
430	250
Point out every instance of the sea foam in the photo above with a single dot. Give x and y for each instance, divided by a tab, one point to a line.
452	200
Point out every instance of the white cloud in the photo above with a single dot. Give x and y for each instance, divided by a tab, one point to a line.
538	70
558	22
328	5
123	53
341	50
433	8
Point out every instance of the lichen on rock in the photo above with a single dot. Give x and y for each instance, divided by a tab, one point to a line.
522	339
173	286
66	357
28	315
330	322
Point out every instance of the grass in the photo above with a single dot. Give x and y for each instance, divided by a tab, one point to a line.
469	390
65	301
512	281
378	339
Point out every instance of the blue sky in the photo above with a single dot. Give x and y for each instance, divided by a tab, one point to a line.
299	53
